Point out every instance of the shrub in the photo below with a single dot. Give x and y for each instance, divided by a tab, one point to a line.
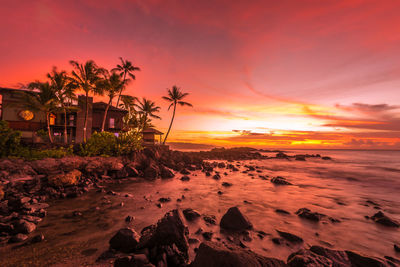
67	179
35	154
9	140
129	142
100	144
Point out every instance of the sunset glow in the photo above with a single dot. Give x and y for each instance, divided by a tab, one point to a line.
266	74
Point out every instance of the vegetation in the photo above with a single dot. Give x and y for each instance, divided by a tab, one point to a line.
9	140
146	110
175	97
125	68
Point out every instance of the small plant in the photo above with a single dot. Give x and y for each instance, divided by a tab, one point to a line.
9	140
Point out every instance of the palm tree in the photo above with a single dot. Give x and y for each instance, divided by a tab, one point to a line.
65	92
125	68
175	96
111	85
85	77
146	109
41	98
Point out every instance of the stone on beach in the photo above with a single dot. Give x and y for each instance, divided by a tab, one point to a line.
309	215
190	214
233	219
381	218
280	181
290	237
125	240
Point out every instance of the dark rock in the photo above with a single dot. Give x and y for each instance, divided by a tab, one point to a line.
216	176
282	211
221	165
166	173
219	192
361	260
309	215
164	199
212	254
290	237
170	237
185	172
280	181
24	227
6	228
326	158
208	174
193	240
131	170
129	218
185	178
226	184
38	238
151	172
300	157
190	214
210	219
381	218
282	155
396	248
125	240
233	219
307	258
18	238
207	235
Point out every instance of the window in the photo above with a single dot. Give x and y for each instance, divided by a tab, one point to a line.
112	123
71	120
52	119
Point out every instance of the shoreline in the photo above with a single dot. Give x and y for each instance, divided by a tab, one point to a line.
147	160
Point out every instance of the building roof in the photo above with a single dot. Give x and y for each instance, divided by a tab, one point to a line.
3	89
152	130
102	106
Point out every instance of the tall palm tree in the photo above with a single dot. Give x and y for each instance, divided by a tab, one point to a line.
125	68
175	96
146	109
85	77
65	93
42	97
111	85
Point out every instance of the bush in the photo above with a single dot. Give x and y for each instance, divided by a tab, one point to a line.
100	144
129	142
107	144
9	140
35	154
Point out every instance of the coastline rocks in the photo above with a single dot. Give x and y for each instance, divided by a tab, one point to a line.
233	219
309	215
67	179
190	214
24	227
381	218
168	238
213	254
280	181
125	240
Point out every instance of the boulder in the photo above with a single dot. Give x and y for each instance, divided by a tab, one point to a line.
170	237
309	215
185	178
18	238
226	184
67	179
151	172
166	173
381	218
47	166
221	165
24	227
280	181
213	254
131	169
290	237
185	172
233	219
190	214
70	163
125	240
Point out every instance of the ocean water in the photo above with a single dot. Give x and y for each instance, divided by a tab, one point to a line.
342	188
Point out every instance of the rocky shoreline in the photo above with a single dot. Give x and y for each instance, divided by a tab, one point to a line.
26	187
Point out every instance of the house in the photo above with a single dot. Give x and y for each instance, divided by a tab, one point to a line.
13	111
149	136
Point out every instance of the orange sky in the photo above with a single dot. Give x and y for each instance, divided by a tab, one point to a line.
273	74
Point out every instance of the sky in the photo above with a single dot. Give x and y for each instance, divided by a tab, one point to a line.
266	74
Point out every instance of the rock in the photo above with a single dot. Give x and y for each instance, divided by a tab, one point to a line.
282	211
166	173
226	184
125	240
212	254
164	199
210	219
278	240
67	179
300	157
169	236
290	237
6	228
361	260
47	166
280	181
326	158
221	165
70	163
381	218
309	215
131	170
193	240
233	219
185	178
151	172
216	176
190	214
37	238
207	235
208	174
185	172
396	248
24	227
129	218
282	155
306	258
18	238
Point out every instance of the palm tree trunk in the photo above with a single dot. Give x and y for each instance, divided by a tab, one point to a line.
170	125
86	117
105	115
65	127
48	126
120	92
